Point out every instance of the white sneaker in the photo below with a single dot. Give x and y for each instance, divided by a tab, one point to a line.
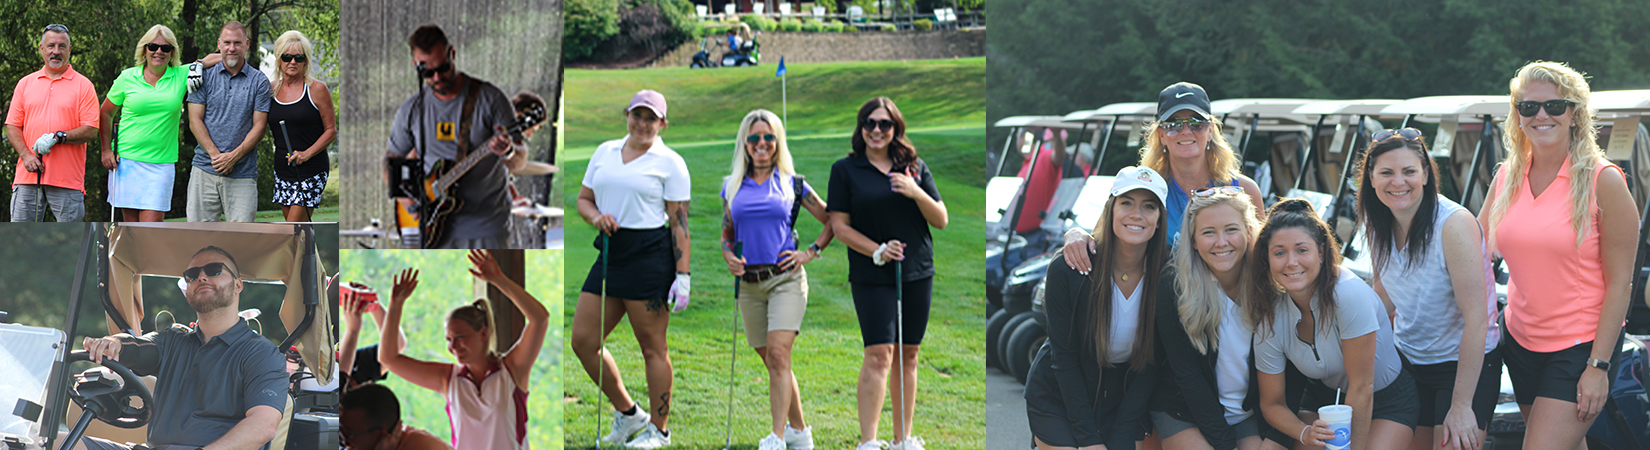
625	426
872	445
650	438
799	439
910	443
771	442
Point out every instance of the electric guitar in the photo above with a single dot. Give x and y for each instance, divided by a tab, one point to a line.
436	194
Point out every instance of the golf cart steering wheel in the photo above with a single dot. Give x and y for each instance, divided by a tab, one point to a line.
109	402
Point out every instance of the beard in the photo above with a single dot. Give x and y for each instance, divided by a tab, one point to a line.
209	301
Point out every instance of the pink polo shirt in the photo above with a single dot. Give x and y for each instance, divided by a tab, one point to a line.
41	105
1555	290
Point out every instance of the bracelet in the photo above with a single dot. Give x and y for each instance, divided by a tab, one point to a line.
1302	437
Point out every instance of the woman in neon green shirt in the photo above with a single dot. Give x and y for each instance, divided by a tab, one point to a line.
148	98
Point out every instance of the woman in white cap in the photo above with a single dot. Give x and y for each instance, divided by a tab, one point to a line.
1186	146
635	192
883	202
1090	383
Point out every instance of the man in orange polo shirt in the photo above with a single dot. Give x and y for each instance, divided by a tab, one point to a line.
53	114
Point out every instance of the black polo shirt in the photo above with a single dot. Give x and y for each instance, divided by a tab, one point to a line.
203	389
868	196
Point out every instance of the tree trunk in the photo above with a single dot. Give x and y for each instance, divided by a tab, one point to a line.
187	18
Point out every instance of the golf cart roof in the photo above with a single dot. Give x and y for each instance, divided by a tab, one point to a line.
1432	109
1034	121
1620	103
1368	107
1275	114
264	253
1131	112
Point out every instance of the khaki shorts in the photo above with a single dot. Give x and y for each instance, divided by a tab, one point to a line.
772	305
214	198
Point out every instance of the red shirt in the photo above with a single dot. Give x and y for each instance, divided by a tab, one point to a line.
41	105
1039	188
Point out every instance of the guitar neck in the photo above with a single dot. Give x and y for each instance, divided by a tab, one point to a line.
446	180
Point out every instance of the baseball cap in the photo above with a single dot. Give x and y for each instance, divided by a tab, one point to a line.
1134	177
650	99
1181	96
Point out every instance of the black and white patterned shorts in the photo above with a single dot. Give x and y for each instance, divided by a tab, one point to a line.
306	192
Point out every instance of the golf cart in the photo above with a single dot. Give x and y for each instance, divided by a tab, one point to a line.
282	262
749	52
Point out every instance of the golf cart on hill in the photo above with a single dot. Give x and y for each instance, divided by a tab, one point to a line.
39	390
749	52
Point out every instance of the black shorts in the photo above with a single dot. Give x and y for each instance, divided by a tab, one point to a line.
1395	402
1553	375
874	304
640	261
1435	384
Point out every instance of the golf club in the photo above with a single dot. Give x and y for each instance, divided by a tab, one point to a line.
899	344
40	188
733	346
601	365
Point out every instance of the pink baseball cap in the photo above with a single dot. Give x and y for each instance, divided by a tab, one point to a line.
649	99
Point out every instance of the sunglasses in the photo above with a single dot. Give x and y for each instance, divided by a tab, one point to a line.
761	137
290	57
1210	192
60	28
164	48
425	72
211	270
875	124
1554	108
1173	126
1408	134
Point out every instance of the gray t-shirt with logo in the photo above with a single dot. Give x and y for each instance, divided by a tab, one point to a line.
485	209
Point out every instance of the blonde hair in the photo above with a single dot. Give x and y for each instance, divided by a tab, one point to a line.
162	31
286	40
781	153
1199	303
1584	152
1224	164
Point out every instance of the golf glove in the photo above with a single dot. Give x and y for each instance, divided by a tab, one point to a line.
877	257
44	144
195	78
679	292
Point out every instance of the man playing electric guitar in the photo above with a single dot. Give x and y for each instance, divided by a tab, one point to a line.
456	116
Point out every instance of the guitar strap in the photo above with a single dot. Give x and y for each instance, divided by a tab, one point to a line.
471	91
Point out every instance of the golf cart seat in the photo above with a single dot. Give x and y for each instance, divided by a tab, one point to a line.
103	430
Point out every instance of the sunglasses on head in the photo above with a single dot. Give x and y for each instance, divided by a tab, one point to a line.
164	48
210	269
60	28
1173	126
290	57
879	124
1408	134
1210	192
426	72
1528	108
761	137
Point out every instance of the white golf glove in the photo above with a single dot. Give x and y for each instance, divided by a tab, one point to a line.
876	256
44	144
679	292
195	78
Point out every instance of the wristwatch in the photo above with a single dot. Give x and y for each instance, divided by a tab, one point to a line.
815	248
60	136
1602	365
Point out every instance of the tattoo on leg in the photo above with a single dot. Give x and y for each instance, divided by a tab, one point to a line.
664	405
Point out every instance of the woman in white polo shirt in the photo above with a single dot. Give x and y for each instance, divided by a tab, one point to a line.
636	193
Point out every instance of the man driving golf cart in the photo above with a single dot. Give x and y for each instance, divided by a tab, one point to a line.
216	383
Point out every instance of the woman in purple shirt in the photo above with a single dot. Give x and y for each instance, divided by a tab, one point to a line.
760	202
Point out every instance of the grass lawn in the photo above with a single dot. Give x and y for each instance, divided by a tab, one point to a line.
328	212
445	284
951	405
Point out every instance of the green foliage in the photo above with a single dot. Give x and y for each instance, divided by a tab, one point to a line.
833	27
923	24
813	25
587	23
887	27
684	22
1275	48
790	25
758	22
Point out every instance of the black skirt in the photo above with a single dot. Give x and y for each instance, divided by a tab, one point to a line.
640	264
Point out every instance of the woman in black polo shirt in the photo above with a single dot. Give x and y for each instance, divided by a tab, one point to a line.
885	185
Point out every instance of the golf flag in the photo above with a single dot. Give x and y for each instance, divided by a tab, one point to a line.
781	71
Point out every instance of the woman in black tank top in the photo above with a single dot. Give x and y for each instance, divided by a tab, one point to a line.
303	123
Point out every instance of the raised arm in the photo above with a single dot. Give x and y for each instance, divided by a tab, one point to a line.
521	355
429	375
